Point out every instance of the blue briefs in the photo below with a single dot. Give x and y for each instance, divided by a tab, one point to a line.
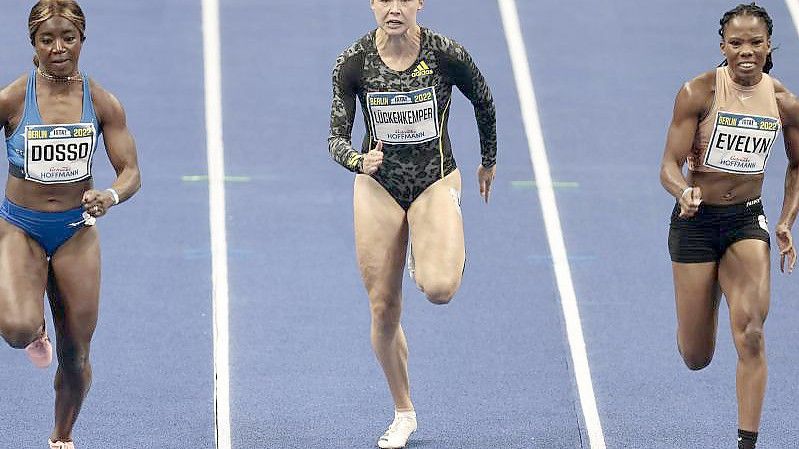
49	229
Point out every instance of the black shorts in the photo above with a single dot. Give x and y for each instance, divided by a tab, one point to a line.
707	235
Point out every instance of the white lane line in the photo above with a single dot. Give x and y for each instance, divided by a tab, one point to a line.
793	7
216	204
546	195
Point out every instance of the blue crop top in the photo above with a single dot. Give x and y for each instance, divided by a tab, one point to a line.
56	153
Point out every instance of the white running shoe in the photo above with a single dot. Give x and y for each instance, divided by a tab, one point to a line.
399	431
61	444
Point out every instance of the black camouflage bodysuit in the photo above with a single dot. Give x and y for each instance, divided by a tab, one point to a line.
408	111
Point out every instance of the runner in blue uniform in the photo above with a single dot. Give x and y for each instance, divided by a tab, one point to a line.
53	117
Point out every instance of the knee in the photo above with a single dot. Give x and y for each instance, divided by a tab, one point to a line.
440	296
385	316
74	361
20	333
441	290
695	359
696	362
751	339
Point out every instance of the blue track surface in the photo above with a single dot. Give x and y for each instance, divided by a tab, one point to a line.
491	370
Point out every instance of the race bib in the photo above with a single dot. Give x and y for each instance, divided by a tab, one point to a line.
404	117
741	143
56	154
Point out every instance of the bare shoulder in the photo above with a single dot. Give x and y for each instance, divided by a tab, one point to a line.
787	103
696	94
12	96
106	105
778	86
701	86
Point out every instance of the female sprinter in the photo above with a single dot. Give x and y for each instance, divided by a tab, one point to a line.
53	117
407	187
725	123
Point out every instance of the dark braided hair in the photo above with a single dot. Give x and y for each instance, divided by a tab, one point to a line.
754	10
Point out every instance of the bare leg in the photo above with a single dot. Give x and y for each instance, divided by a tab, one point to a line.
381	238
23	276
697	296
744	277
74	290
436	229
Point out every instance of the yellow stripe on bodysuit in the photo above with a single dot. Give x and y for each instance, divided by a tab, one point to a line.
441	137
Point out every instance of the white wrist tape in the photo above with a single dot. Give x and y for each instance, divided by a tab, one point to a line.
687	189
114	194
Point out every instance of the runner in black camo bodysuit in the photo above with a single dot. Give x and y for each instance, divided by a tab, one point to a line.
413	129
407	190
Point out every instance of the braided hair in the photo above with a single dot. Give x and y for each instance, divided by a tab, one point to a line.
751	9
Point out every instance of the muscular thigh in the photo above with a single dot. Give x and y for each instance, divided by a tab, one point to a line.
74	291
436	227
697	295
744	276
23	274
381	235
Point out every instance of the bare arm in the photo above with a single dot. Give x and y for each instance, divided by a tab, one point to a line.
680	138
688	107
789	115
5	107
12	98
121	150
790	202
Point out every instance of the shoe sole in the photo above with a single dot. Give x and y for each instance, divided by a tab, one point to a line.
41	358
403	447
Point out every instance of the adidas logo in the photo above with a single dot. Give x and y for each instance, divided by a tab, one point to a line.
421	70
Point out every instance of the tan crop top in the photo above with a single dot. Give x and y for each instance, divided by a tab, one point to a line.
737	134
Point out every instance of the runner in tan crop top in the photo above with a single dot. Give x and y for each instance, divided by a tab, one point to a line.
738	132
724	125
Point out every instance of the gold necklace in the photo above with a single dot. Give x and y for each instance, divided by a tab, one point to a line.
59	79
